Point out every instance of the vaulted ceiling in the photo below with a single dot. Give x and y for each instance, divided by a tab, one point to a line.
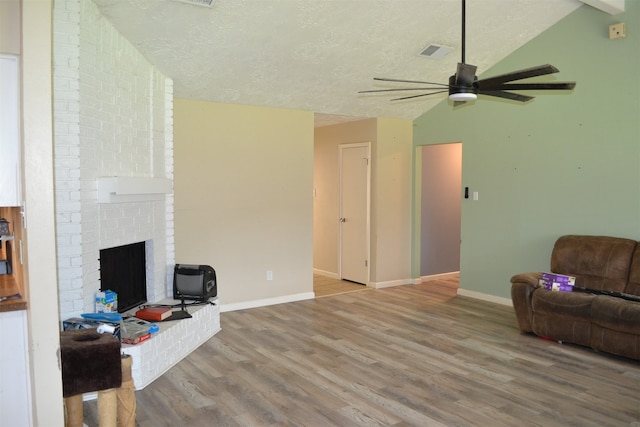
315	55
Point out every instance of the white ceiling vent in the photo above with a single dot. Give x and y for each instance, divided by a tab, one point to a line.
205	3
435	51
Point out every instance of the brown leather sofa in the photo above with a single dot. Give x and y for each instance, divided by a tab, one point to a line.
603	322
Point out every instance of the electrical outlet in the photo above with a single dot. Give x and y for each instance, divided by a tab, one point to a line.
617	31
269	275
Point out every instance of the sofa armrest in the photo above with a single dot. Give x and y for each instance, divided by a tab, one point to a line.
522	287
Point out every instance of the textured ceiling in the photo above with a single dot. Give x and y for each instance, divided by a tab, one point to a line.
315	55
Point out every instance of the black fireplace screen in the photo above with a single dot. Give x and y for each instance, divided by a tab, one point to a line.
123	270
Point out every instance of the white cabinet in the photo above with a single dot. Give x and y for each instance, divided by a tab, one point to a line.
10	174
15	401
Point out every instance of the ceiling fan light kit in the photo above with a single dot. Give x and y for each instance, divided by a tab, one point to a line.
464	85
463	97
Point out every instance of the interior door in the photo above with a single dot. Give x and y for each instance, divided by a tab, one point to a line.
354	212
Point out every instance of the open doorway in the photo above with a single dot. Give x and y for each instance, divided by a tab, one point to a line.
332	145
341	216
440	210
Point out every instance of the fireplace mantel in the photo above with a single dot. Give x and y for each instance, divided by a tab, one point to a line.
118	189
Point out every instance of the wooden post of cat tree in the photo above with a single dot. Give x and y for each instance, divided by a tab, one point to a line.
107	408
73	411
126	395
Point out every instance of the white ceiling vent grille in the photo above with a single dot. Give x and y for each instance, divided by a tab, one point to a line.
435	51
205	3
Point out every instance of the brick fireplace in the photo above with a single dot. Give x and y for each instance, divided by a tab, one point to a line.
112	123
112	118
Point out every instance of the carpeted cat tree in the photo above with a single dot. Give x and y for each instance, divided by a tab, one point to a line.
92	362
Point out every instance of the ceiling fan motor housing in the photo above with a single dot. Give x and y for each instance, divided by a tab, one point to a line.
455	88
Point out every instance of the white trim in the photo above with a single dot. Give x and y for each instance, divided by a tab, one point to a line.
612	7
267	301
485	297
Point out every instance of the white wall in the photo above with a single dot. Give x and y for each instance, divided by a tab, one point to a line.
243	192
391	201
112	117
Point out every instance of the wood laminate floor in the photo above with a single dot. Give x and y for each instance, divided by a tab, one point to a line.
413	355
324	286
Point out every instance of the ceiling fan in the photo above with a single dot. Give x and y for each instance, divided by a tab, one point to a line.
464	85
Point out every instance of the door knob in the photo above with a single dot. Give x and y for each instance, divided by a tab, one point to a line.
343	219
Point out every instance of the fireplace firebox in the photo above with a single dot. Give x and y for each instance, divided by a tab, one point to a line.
123	270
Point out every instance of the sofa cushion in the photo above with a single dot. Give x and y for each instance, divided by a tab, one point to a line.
563	304
616	314
563	316
615	342
616	326
597	262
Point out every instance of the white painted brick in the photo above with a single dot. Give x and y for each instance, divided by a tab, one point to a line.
112	116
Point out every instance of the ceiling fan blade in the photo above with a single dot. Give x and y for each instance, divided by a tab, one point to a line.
531	86
507	95
418	96
541	70
401	89
382	79
465	74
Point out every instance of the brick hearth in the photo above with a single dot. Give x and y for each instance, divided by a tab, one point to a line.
174	342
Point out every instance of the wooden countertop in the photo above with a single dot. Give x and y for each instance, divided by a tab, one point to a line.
9	288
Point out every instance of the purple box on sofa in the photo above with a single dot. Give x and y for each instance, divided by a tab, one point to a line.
557	282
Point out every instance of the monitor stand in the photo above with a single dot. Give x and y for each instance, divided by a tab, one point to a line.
180	314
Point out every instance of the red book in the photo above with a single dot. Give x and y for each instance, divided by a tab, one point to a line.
154	314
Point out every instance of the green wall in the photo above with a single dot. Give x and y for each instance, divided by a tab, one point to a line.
560	164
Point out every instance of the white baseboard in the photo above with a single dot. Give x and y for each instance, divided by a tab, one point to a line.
266	301
465	292
485	297
326	274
